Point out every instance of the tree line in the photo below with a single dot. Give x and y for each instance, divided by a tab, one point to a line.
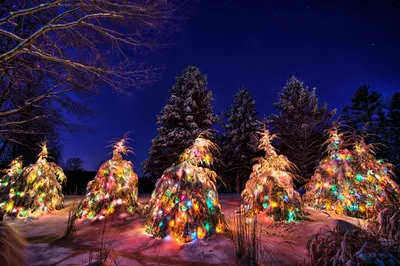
299	121
57	54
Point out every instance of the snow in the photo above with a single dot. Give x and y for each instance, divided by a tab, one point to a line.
132	246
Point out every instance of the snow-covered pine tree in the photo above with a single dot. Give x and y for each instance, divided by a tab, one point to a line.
37	189
12	173
185	201
240	139
374	180
114	188
333	175
352	182
270	187
300	123
187	113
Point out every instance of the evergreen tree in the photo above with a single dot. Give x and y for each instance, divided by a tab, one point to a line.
36	190
270	187
240	140
393	137
114	188
187	113
300	124
12	173
365	112
185	201
352	182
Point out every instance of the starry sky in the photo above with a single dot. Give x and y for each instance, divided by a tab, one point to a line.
335	46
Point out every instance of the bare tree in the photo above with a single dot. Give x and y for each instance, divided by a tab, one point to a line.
56	53
74	164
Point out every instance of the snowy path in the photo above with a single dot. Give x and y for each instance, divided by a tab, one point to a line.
132	246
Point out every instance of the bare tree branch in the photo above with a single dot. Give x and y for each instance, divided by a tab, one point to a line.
53	49
29	11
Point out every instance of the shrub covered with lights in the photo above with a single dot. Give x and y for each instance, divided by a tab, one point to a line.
270	189
37	189
185	200
13	171
335	170
115	187
351	182
374	188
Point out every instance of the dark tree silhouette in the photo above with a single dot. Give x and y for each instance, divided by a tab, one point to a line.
240	139
74	164
300	125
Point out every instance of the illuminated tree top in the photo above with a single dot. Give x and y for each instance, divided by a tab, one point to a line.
271	160
44	154
265	143
335	139
201	152
120	147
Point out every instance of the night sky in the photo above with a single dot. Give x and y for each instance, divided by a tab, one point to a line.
335	46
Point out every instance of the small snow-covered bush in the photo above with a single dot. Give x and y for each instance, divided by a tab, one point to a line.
11	247
349	247
389	223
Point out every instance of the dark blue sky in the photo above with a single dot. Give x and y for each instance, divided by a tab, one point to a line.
335	46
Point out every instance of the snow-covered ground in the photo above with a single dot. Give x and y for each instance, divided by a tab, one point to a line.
130	245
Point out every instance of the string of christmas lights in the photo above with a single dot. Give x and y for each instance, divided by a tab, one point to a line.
37	189
114	188
270	189
352	182
185	200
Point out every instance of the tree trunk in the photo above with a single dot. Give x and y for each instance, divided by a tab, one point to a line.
237	185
